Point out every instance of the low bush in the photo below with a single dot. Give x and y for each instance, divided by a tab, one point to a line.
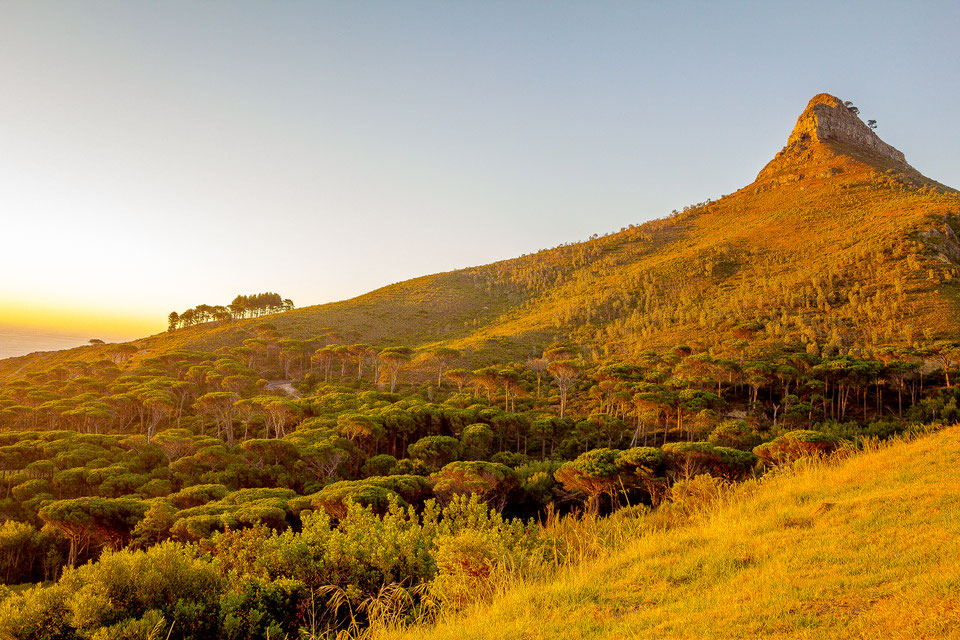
795	444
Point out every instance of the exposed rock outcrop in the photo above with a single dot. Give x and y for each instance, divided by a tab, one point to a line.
829	134
828	120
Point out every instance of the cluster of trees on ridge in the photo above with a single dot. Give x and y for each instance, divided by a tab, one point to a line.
243	306
133	458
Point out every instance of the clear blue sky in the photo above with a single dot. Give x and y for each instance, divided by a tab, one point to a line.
165	154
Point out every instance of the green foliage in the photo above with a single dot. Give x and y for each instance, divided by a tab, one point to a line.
36	614
690	459
465	562
644	460
594	473
735	434
122	594
380	465
406	466
243	508
795	444
109	521
509	458
493	483
435	451
377	493
197	495
156	523
477	441
28	554
539	484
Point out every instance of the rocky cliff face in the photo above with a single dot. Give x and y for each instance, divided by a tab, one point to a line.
827	120
826	137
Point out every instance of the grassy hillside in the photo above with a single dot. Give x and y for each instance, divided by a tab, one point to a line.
834	245
861	549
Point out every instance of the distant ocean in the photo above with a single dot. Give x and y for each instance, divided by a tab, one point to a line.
19	341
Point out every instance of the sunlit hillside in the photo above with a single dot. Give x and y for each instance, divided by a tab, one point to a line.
839	244
259	471
860	549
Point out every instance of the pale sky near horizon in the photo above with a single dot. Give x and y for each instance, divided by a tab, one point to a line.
159	155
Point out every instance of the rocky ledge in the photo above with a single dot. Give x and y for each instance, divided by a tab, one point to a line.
828	132
828	119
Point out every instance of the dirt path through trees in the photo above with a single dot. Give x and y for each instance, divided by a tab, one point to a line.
284	385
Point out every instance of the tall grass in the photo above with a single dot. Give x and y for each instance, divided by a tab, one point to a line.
861	545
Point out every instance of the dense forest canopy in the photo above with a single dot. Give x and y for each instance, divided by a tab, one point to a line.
128	460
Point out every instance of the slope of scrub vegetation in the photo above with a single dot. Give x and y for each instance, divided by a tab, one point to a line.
863	548
257	514
326	469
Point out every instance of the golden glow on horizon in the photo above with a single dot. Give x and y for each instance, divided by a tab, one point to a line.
78	320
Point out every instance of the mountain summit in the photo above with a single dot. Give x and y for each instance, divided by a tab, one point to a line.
827	137
828	120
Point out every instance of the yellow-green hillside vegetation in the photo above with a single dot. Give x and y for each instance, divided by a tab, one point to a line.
430	444
861	548
839	244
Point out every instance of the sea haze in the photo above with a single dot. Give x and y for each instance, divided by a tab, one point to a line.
19	341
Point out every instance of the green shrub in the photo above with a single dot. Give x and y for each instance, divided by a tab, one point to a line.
735	434
688	459
477	440
510	458
795	444
435	451
593	473
406	466
122	595
375	492
24	551
491	482
197	495
472	544
36	614
378	465
465	561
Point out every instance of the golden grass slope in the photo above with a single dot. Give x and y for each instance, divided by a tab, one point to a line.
864	548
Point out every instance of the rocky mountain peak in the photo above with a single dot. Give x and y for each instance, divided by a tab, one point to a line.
827	135
827	119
